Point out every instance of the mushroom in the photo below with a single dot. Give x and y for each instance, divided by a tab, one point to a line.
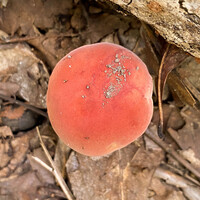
99	98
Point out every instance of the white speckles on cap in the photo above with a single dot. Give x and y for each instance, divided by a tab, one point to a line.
69	56
117	60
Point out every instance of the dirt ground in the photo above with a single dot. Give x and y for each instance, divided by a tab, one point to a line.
34	36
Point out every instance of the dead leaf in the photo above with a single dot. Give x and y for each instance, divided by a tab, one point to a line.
193	91
172	117
18	118
95	32
21	67
43	174
190	190
129	38
4	155
16	154
123	174
61	155
180	91
39	13
188	137
174	57
5	132
78	20
182	81
191	79
8	88
190	156
153	49
21	179
24	186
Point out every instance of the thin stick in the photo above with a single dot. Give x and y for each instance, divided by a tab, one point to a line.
43	164
173	153
56	172
30	107
160	89
14	40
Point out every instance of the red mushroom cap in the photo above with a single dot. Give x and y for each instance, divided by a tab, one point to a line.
99	98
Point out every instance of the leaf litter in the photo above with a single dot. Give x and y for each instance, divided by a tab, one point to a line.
33	38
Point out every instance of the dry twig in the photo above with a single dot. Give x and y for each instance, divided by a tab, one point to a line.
173	153
56	172
191	191
160	88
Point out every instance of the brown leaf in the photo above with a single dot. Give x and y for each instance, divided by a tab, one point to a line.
8	88
61	156
156	42
175	56
172	117
5	158
15	153
152	50
42	14
172	58
188	136
95	32
21	67
190	190
189	72
117	176
193	90
5	131
18	118
179	88
45	176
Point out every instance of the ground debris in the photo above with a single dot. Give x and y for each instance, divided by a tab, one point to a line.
25	73
115	174
33	38
190	190
188	137
18	118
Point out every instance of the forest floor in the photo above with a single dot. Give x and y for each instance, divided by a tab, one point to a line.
34	36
